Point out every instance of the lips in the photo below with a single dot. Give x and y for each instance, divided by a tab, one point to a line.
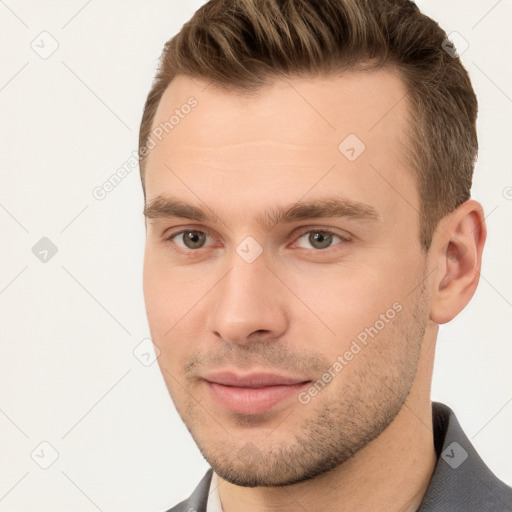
254	393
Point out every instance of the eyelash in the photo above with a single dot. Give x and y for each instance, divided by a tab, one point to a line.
314	230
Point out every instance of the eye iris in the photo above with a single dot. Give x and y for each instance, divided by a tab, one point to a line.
194	239
323	239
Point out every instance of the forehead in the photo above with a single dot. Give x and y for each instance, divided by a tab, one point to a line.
362	101
288	134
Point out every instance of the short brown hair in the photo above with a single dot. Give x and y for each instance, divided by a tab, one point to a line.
241	45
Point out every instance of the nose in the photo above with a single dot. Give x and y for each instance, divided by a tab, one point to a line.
248	304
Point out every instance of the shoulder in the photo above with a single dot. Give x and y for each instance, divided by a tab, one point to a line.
198	499
461	480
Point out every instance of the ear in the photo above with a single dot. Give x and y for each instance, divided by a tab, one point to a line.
456	254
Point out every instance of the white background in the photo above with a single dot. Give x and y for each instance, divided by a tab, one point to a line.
69	326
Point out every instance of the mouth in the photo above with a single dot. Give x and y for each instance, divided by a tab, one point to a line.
254	393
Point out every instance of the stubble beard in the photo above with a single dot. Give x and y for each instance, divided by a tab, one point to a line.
340	421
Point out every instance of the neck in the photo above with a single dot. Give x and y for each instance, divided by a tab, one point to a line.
391	473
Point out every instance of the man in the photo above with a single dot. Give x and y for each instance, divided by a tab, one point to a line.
307	167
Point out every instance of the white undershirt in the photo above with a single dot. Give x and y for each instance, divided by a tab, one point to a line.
213	504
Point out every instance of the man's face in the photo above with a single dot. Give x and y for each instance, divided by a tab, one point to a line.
288	342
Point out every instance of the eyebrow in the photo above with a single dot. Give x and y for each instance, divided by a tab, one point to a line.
332	206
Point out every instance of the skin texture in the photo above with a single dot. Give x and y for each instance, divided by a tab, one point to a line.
364	442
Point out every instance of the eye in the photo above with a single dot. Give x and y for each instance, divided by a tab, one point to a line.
189	239
319	239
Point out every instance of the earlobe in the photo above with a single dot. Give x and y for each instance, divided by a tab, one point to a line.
459	240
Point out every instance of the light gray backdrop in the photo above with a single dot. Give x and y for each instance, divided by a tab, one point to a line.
74	396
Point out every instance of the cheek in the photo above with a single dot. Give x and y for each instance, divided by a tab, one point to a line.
173	299
367	343
168	291
155	295
342	305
